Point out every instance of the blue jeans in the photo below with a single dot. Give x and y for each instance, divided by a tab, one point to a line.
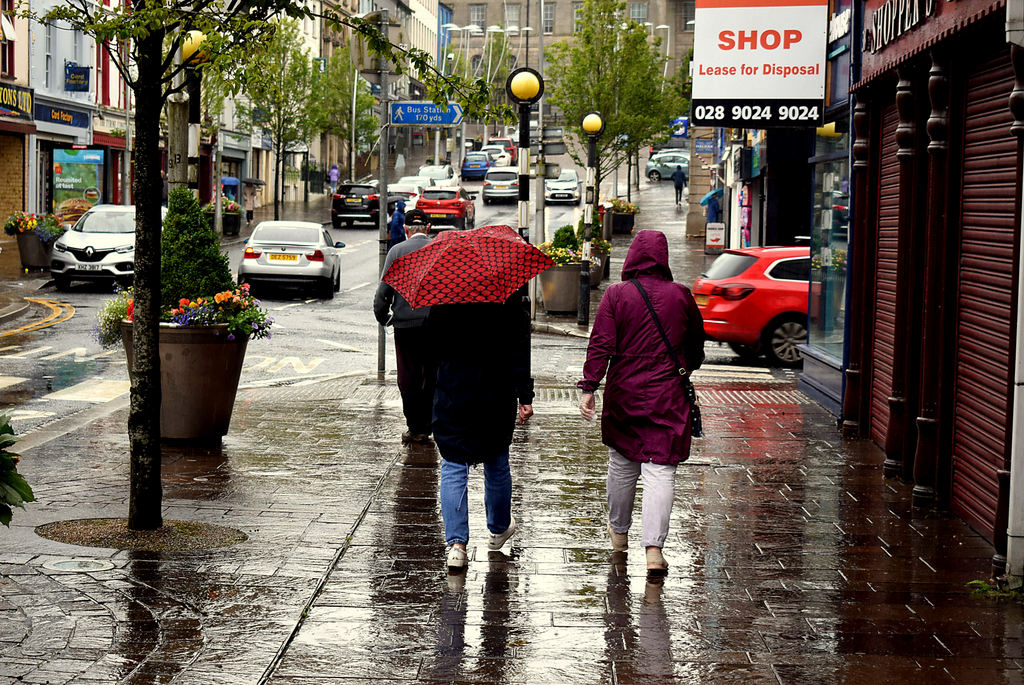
455	498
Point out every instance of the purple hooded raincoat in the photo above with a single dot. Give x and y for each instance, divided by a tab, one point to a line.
645	416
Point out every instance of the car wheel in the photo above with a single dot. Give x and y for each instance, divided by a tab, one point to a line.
62	283
654	176
325	290
746	352
781	338
486	202
336	223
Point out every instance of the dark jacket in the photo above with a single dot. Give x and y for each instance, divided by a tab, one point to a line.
483	374
388	304
679	176
396	230
645	415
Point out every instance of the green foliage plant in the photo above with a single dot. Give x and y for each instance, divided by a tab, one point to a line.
14	490
111	314
46	226
596	241
191	263
565	237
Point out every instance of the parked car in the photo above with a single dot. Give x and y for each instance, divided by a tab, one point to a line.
292	253
421	181
475	165
500	183
100	246
441	174
755	299
408	193
448	206
508	145
565	188
498	154
661	166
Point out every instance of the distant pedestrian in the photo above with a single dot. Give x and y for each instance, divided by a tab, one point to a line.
483	355
396	229
714	214
333	175
645	421
416	367
680	180
249	198
164	188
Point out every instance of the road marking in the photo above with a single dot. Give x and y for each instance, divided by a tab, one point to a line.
59	313
297	365
81	354
288	306
91	391
22	355
338	345
356	287
8	381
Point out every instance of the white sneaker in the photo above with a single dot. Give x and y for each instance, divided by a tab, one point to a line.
457	559
498	540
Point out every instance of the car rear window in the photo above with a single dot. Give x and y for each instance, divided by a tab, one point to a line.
791	270
729	265
355	190
501	176
476	155
292	235
439	194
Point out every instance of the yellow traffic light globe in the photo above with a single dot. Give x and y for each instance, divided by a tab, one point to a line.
593	124
191	48
525	85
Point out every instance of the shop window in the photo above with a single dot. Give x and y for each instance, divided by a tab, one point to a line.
511	15
7	46
478	15
577	16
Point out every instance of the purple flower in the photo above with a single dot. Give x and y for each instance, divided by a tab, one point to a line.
231	336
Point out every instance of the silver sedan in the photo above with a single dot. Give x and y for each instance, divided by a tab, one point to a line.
292	253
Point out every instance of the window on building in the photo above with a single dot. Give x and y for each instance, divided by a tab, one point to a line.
638	12
511	15
577	15
7	47
49	41
478	15
549	18
685	15
76	46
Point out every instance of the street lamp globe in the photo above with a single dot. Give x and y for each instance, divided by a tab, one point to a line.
593	124
524	86
192	48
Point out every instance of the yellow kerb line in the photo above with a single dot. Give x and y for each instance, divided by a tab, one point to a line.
59	312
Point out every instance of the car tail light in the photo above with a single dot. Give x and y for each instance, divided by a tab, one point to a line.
373	197
315	256
337	196
251	253
732	291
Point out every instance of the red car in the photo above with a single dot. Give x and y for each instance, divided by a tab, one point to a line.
509	145
755	300
448	206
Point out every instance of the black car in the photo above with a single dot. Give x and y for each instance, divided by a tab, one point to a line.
358	202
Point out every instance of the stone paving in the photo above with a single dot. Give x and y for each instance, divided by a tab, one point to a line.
792	560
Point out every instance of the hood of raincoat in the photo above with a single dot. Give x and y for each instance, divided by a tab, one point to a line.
648	254
400	207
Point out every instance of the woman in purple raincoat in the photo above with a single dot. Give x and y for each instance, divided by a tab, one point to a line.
646	418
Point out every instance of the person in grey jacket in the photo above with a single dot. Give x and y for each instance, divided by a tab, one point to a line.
417	369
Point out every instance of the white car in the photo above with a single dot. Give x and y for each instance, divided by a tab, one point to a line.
421	181
442	174
100	246
499	156
298	253
409	193
565	188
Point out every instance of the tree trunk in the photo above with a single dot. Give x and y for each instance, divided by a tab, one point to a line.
144	506
278	178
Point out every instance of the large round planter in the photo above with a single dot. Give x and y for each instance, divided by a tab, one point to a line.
35	254
560	287
622	222
598	264
199	371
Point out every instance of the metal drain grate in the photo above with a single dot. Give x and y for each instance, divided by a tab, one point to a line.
754	397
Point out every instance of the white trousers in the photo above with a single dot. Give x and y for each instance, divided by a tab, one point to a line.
656	506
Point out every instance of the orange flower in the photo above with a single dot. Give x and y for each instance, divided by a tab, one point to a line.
183	302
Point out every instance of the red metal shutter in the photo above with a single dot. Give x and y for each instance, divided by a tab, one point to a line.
985	297
887	239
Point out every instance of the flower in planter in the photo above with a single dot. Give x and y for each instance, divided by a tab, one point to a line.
226	207
236	308
620	206
45	226
560	255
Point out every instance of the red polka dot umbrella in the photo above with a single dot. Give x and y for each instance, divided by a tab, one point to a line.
486	264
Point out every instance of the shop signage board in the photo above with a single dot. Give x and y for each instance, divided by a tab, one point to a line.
77	182
62	115
714	238
15	101
759	63
76	78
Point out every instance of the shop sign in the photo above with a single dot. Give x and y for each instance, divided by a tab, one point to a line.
15	101
61	115
704	146
759	63
714	238
893	19
77	175
76	78
839	25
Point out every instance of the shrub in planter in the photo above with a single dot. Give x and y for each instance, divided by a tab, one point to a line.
14	491
191	263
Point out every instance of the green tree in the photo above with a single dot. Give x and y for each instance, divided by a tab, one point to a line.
331	106
611	67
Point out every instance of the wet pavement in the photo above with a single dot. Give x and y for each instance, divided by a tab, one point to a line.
792	560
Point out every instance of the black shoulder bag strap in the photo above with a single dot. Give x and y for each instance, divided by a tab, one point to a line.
696	424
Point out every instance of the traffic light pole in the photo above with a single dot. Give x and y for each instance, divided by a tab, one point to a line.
583	318
382	188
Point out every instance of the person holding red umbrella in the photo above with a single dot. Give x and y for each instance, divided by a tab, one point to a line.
479	329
